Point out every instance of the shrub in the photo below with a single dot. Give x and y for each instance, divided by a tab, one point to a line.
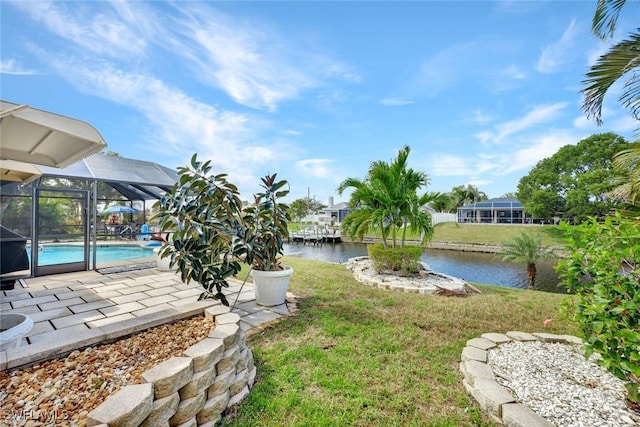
603	270
403	260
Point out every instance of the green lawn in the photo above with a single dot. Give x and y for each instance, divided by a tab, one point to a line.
551	235
354	355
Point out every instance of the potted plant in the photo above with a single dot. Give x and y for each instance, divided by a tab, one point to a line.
266	224
203	213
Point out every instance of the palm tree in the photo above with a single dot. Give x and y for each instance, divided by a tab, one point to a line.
622	59
387	200
462	195
627	162
527	249
440	202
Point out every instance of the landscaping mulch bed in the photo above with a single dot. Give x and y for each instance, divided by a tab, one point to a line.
62	392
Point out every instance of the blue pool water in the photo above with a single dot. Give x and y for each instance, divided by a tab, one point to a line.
61	254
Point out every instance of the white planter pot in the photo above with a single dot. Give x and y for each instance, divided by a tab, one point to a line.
271	286
17	326
163	263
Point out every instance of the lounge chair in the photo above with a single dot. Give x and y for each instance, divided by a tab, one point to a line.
144	233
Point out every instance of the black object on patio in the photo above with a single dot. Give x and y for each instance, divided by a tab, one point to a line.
13	256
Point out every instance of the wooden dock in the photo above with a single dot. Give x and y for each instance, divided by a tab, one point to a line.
315	237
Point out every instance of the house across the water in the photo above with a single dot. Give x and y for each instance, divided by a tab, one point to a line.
502	210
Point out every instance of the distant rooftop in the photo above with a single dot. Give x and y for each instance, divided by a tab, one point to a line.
499	202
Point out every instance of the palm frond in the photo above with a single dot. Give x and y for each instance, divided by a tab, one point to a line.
622	58
606	17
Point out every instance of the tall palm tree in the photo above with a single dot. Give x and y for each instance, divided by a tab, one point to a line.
528	249
387	200
622	59
370	208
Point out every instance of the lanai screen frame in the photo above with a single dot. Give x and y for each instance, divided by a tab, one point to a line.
135	180
500	211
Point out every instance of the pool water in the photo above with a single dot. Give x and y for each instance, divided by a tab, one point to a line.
62	254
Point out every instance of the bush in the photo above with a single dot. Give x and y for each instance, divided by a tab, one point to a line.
603	270
404	260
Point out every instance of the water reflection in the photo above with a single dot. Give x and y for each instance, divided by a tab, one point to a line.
471	266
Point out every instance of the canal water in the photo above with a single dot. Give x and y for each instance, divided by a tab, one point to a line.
471	266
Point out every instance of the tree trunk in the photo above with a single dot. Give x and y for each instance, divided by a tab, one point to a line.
531	272
384	238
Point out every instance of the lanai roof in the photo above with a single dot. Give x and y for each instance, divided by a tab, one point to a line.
135	179
497	203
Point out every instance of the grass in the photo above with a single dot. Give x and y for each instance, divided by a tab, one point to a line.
355	355
550	235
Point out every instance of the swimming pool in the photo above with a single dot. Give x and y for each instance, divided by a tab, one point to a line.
62	254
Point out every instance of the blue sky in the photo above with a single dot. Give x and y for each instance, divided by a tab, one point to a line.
316	91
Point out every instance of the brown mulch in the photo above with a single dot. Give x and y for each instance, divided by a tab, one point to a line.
62	392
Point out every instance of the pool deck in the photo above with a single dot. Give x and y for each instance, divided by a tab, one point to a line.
76	310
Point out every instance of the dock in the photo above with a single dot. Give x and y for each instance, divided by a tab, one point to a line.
315	237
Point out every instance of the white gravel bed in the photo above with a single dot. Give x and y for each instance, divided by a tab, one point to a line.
557	383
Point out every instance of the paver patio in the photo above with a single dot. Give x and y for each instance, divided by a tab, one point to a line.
75	310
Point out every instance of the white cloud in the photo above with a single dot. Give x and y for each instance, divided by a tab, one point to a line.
480	117
112	32
445	68
12	66
582	122
394	102
594	54
253	63
555	55
624	124
514	72
479	183
484	163
509	78
490	167
536	149
178	124
484	136
449	165
317	168
538	115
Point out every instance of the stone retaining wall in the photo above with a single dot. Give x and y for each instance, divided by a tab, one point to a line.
431	282
480	381
466	247
192	390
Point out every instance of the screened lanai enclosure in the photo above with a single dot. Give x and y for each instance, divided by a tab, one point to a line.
100	199
503	210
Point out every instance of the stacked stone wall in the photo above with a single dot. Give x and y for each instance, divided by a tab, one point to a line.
192	390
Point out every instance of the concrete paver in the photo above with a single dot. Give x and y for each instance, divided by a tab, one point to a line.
75	319
88	306
122	299
74	310
61	303
115	310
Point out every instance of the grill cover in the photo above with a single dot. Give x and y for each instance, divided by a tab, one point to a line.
13	251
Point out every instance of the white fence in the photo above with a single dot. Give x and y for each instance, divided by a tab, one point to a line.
439	217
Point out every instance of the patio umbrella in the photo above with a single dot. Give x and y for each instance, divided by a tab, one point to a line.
43	138
11	170
119	209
